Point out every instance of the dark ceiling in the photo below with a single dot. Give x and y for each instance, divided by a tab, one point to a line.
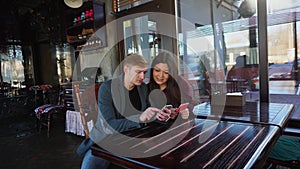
31	20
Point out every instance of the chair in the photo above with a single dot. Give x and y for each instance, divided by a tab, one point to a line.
245	75
273	164
286	153
44	113
86	99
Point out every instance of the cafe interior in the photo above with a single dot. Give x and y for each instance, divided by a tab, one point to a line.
240	58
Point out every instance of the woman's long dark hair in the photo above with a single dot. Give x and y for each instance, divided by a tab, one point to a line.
172	90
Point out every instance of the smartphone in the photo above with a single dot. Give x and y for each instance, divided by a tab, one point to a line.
182	107
168	106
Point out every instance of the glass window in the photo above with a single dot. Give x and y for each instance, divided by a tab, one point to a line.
233	37
298	46
237	44
12	67
64	63
199	48
141	36
214	48
276	6
281	51
282	35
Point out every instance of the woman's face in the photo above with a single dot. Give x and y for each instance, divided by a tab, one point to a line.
161	74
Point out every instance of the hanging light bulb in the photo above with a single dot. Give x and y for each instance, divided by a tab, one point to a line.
74	3
247	8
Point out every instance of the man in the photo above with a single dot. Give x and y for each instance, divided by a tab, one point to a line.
122	106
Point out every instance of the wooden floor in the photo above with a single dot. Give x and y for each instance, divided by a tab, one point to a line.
21	146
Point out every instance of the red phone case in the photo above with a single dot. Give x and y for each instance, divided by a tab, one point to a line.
182	107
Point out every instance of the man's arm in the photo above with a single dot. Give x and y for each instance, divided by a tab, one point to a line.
109	114
109	117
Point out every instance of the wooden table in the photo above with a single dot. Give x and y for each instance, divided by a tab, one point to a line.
232	137
198	143
252	112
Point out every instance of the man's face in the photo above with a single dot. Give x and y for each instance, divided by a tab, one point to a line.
135	74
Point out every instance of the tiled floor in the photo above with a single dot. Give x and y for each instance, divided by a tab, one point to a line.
21	146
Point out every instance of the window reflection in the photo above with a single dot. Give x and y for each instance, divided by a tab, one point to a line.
64	63
12	67
281	51
140	34
240	37
298	40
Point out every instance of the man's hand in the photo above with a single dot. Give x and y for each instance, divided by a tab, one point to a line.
148	114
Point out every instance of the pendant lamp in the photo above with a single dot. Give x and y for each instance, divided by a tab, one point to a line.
74	3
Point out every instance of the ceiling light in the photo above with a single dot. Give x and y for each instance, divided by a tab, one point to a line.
74	3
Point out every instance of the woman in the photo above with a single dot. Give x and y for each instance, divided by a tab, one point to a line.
164	76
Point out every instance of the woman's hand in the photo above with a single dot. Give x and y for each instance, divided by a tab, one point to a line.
185	113
173	113
163	115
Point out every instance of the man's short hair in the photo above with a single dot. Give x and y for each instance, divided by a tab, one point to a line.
135	60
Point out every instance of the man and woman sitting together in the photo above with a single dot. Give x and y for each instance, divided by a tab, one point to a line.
126	102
